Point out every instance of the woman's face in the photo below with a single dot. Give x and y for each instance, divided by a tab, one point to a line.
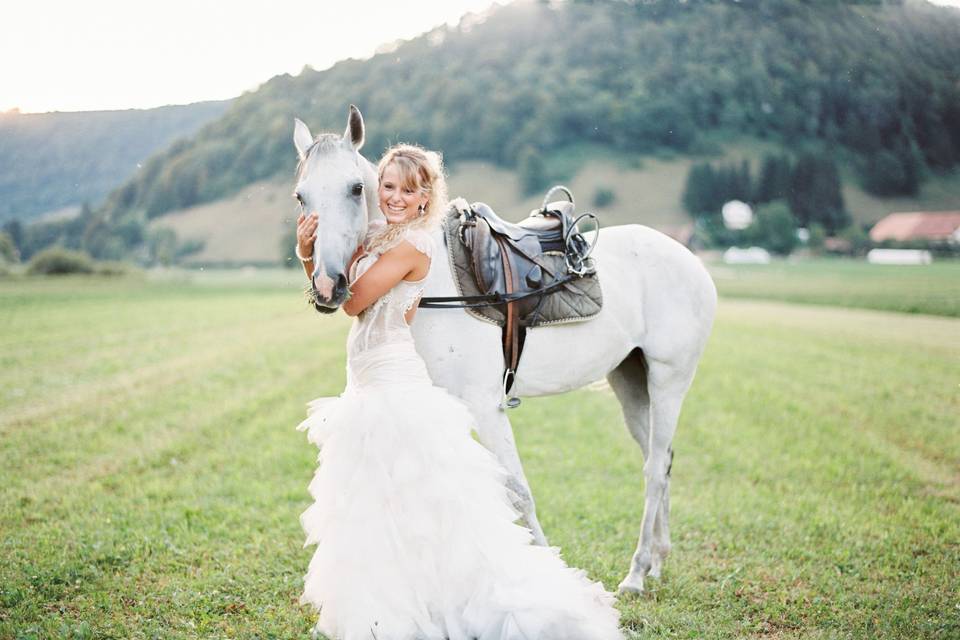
397	202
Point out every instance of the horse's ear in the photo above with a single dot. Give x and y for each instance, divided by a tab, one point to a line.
302	139
354	133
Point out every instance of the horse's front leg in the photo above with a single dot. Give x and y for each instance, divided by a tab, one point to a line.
496	434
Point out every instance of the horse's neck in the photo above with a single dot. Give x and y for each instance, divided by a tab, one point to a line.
440	282
370	177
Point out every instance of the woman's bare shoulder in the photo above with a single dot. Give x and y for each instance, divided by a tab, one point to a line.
405	252
413	261
421	240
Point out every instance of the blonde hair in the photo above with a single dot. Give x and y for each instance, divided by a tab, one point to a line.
420	170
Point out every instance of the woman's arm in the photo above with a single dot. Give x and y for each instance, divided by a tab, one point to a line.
393	266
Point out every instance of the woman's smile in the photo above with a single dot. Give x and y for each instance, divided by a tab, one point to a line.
398	202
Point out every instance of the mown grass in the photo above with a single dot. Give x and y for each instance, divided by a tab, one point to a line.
151	478
932	289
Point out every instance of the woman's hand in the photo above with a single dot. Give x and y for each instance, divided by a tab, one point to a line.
306	234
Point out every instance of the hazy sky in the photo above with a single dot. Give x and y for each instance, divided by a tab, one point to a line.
69	55
72	55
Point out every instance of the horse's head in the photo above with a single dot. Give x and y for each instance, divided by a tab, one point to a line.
339	185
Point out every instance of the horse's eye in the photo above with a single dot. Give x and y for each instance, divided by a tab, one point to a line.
358	189
299	198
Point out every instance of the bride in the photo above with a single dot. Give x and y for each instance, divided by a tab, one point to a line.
415	529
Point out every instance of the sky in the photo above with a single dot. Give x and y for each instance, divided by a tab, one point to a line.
70	55
65	55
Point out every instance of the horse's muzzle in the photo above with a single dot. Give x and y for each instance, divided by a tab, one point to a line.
336	297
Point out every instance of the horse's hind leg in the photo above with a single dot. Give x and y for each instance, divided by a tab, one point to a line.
661	528
651	397
629	383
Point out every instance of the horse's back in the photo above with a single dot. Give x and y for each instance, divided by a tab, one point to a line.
654	264
657	296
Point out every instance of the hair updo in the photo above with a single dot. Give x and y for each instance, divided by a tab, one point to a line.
420	170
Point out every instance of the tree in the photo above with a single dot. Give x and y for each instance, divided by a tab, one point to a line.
893	172
708	189
815	195
699	193
774	181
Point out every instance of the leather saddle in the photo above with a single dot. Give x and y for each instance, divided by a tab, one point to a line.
507	257
524	261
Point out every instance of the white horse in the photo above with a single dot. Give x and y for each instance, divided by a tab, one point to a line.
658	308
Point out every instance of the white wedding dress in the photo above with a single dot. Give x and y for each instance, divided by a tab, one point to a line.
415	530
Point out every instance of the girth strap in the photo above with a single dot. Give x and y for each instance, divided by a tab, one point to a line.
511	328
486	300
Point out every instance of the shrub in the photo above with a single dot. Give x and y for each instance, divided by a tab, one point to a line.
604	197
817	237
859	239
774	228
57	260
114	268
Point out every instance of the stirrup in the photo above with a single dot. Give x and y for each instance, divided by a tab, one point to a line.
511	402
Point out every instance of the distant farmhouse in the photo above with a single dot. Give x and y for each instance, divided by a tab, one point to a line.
932	226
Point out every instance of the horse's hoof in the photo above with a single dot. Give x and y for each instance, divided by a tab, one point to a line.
631	586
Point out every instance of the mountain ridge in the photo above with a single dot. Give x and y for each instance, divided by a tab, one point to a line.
871	81
61	159
872	77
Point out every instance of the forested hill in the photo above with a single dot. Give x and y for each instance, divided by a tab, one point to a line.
879	79
54	160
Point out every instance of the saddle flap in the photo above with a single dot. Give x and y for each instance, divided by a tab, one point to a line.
486	258
478	269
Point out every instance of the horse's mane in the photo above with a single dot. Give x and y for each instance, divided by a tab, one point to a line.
324	143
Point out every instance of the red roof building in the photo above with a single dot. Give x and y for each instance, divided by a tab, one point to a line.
937	226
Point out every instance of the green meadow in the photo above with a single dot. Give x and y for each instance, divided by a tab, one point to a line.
151	477
929	289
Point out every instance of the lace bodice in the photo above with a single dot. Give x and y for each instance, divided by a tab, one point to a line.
384	322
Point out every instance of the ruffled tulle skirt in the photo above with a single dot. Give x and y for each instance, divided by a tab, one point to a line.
415	531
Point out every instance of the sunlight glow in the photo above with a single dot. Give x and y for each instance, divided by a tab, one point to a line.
116	54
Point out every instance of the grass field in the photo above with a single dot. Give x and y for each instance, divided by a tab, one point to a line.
932	289
151	477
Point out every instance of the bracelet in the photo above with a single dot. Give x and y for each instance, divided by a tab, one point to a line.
296	252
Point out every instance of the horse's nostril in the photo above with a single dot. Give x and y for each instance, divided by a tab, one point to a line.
341	287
